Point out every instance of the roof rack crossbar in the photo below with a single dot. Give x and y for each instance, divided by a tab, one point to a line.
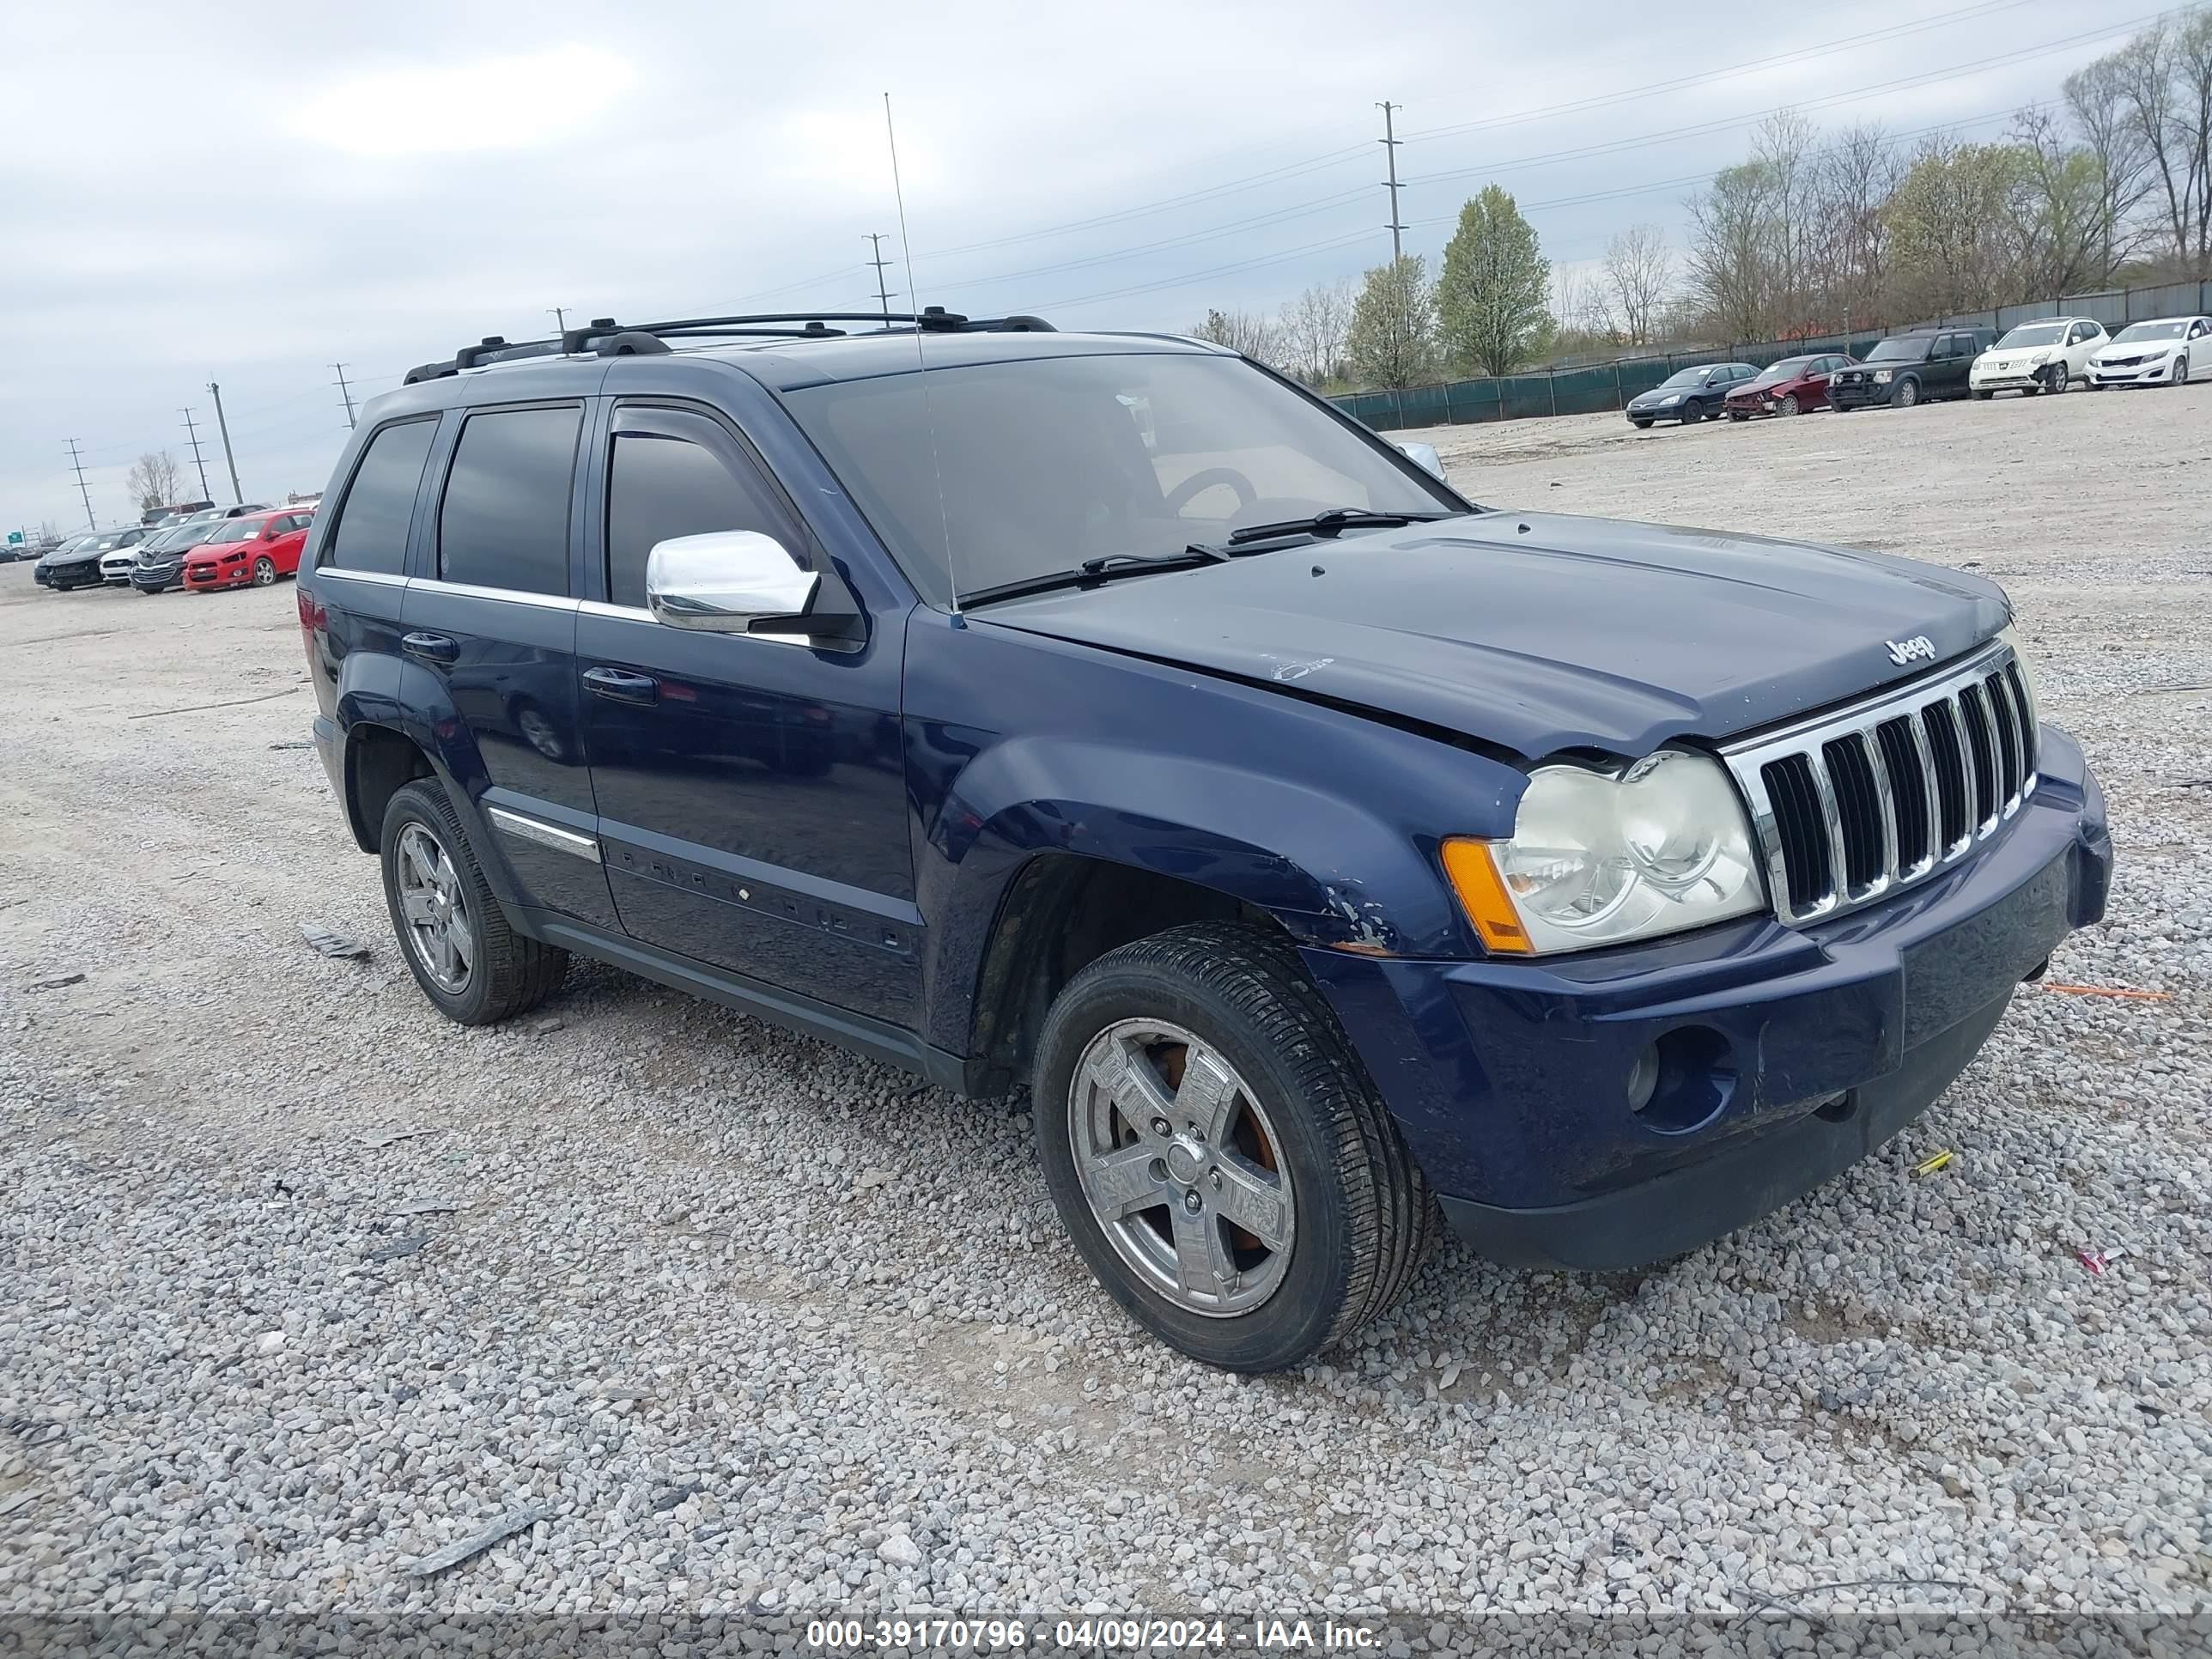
608	338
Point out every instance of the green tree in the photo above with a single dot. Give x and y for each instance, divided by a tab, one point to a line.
1392	342
1491	310
1964	223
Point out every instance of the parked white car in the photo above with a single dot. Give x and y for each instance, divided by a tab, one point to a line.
2051	354
2155	353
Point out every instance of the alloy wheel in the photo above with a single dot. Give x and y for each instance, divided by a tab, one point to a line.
2181	370
1786	404
432	900
264	571
2062	378
1907	395
1182	1168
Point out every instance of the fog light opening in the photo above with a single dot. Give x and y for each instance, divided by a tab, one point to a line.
1692	1079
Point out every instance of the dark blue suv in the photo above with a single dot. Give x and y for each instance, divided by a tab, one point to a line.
1103	712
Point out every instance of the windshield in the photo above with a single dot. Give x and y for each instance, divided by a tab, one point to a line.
1686	377
1035	466
236	530
77	545
108	542
1909	350
2035	334
2173	330
1787	369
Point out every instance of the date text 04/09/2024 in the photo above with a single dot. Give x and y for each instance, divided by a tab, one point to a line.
1092	1634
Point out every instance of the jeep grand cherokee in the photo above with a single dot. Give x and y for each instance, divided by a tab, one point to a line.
1327	853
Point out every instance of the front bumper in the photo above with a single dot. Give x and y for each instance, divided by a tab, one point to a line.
207	577
1508	1079
71	575
2023	379
1859	396
1672	412
2157	373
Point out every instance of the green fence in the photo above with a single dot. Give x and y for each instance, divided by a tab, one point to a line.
1594	389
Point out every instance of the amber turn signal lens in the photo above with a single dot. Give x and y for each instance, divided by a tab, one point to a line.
1482	894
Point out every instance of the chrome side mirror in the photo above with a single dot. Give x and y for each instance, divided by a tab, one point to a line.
728	582
1425	457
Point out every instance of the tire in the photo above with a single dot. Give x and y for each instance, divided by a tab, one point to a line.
505	974
2180	370
1692	412
264	572
1302	1125
1907	395
1738	419
1641	426
1788	404
2059	381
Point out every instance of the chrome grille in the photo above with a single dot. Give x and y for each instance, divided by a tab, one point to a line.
1850	806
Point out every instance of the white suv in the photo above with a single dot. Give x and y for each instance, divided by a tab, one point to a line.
2051	354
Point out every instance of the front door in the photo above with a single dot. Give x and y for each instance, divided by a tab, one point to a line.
494	622
752	802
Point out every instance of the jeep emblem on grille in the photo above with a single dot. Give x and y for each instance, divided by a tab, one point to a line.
1902	652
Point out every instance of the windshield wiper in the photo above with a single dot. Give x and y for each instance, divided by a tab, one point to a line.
1104	567
1329	521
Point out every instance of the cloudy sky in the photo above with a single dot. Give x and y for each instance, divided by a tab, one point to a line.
249	193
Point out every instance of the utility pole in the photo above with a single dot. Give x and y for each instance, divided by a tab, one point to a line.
237	495
1390	140
559	315
192	432
346	392
875	241
82	488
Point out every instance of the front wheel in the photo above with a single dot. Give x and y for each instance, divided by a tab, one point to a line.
1787	403
2181	370
1217	1153
1641	426
1907	395
264	572
1984	397
2061	379
1692	412
469	962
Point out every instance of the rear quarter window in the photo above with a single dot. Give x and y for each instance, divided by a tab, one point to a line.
371	531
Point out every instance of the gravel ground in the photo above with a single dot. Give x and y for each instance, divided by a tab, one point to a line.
302	1285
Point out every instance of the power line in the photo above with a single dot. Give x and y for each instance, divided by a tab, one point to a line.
346	392
193	435
1391	143
83	489
875	241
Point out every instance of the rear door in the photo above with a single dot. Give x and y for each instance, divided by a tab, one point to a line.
361	570
492	621
752	805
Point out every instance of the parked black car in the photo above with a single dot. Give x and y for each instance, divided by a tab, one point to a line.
75	563
161	560
1911	368
1690	395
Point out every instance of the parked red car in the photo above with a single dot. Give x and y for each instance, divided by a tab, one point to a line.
1792	387
254	549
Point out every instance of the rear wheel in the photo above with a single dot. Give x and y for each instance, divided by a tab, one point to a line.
1217	1151
456	939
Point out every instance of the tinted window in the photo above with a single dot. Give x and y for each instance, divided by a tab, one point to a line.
371	533
660	488
504	521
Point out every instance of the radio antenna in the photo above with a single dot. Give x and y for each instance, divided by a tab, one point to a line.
921	368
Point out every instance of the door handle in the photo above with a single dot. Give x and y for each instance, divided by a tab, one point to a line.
622	686
434	648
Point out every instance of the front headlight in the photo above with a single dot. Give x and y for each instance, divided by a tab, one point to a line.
1597	858
1881	376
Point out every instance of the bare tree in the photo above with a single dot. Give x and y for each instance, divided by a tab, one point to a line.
1313	327
1240	330
155	480
1858	173
2096	99
1639	270
2144	71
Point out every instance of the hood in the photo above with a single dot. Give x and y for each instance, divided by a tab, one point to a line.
1658	394
2135	349
1540	632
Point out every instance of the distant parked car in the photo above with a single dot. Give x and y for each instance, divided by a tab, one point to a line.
255	551
1689	396
2049	355
1792	387
161	556
2155	353
1911	368
80	562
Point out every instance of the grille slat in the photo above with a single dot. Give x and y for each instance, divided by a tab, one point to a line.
1847	808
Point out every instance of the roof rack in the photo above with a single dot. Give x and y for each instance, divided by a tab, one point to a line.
604	337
